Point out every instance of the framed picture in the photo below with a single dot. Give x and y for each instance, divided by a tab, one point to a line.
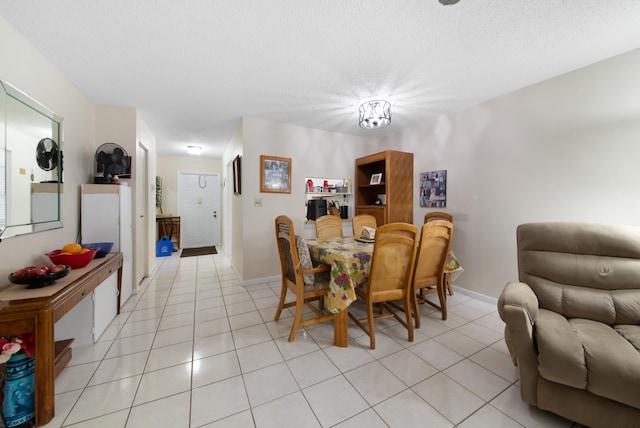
433	189
237	184
275	174
376	178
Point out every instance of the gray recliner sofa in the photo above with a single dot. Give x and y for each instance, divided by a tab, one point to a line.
573	321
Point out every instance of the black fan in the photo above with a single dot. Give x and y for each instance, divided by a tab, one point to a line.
47	154
111	160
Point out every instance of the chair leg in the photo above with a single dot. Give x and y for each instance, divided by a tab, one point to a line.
372	331
296	318
447	281
414	305
442	296
408	309
283	296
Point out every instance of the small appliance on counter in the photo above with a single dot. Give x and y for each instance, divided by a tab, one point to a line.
316	208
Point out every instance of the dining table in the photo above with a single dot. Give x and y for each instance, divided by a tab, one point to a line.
350	261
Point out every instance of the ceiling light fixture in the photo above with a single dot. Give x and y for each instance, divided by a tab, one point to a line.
375	114
448	2
194	150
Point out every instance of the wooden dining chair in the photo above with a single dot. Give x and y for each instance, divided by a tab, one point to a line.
389	279
428	276
361	220
293	280
438	215
328	226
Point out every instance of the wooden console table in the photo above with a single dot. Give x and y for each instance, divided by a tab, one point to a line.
23	311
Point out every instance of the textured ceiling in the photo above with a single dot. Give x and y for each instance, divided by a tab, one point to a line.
194	68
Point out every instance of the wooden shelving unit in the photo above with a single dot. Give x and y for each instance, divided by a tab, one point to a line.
396	184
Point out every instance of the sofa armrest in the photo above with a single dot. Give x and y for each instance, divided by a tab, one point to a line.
518	308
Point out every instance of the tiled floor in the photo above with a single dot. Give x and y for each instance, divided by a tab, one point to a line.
194	348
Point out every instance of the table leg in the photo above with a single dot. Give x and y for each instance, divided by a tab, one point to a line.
341	329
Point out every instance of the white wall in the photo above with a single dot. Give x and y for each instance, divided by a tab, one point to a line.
167	168
146	137
233	222
25	68
566	149
313	153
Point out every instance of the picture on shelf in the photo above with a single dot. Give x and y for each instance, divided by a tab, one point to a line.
376	178
433	189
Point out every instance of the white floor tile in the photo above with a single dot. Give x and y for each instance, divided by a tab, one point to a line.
294	406
407	409
163	383
334	401
477	379
408	367
448	397
215	368
312	368
218	401
255	357
374	382
171	411
269	383
195	348
93	403
489	416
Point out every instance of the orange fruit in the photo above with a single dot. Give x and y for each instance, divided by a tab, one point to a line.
72	248
65	254
84	250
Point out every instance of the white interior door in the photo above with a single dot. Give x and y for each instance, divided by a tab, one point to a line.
142	220
199	209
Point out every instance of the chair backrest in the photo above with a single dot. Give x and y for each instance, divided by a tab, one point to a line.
438	215
361	220
583	270
289	259
394	255
328	226
435	241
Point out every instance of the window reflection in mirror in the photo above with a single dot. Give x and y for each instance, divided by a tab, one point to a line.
30	164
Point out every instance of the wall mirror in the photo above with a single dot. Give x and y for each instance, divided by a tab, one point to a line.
30	164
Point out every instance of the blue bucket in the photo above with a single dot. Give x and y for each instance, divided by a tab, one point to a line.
164	247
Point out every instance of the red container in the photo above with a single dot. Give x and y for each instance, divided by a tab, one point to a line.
76	261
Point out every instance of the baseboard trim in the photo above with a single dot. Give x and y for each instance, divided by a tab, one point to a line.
264	280
476	295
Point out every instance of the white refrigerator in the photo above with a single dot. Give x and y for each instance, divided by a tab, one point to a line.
107	216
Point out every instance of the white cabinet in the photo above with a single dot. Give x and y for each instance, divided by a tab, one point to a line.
88	319
107	216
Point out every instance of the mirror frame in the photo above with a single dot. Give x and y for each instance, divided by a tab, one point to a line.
9	230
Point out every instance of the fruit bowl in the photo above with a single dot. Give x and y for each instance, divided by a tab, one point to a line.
76	261
104	248
37	281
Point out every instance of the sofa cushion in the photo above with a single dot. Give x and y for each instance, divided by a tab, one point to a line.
590	355
583	270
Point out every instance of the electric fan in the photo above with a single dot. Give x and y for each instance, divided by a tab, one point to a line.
47	154
111	160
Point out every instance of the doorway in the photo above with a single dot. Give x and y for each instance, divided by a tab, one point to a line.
199	209
142	221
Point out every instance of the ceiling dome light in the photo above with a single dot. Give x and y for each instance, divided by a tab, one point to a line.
375	114
194	150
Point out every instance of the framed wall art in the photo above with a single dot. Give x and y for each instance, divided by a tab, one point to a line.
433	189
275	174
237	183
